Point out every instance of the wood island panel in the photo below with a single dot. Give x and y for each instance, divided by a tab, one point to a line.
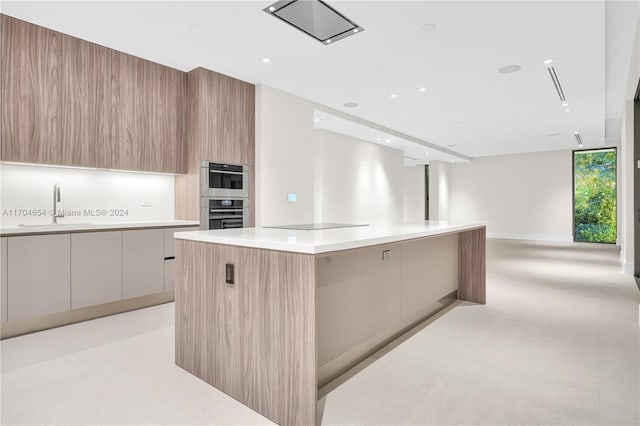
293	321
472	265
254	340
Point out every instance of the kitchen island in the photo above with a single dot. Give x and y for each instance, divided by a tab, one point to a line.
269	315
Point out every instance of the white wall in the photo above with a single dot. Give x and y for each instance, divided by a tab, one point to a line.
626	231
356	181
336	178
414	193
526	196
439	191
284	157
24	187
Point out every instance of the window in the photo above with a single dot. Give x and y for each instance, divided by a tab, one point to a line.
594	196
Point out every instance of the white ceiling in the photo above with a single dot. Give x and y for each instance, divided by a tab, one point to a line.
414	152
468	104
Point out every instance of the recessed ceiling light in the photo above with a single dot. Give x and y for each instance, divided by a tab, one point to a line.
271	8
393	95
387	140
452	160
548	61
378	138
428	27
328	41
350	104
565	104
426	153
265	60
508	69
422	89
316	120
567	110
355	30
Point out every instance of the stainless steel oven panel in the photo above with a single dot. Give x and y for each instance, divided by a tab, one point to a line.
207	213
206	191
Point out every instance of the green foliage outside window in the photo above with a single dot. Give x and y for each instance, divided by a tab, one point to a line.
595	196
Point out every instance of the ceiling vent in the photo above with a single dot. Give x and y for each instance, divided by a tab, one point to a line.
314	18
578	138
556	82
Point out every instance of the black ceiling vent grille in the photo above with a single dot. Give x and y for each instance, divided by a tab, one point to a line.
315	18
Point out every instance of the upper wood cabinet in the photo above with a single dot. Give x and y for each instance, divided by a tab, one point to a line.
222	111
148	115
67	101
31	85
85	102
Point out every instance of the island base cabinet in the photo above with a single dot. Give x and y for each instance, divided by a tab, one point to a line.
253	339
142	262
96	268
39	276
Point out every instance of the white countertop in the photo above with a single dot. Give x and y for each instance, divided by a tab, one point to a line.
83	227
326	240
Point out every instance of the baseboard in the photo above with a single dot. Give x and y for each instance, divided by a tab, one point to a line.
532	237
627	268
12	329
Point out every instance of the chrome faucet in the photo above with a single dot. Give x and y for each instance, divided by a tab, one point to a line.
56	200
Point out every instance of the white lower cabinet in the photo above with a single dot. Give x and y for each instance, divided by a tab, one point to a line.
142	262
169	279
3	276
96	268
39	275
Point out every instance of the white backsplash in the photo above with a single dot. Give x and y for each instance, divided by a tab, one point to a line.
87	196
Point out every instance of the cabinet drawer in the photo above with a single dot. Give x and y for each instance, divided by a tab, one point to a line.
169	241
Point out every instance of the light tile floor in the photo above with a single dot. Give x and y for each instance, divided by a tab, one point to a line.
558	342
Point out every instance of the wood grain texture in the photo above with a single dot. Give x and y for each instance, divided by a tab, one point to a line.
255	340
187	186
126	95
472	265
226	118
220	127
30	93
147	115
85	102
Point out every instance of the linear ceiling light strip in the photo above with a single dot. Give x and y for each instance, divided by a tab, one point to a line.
556	82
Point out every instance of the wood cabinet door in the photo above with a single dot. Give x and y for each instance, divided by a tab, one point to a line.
126	112
30	93
226	119
39	275
96	268
85	103
142	262
165	100
147	115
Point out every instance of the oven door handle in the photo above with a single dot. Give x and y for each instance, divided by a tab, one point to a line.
225	210
226	173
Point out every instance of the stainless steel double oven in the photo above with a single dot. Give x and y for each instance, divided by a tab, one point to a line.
224	195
